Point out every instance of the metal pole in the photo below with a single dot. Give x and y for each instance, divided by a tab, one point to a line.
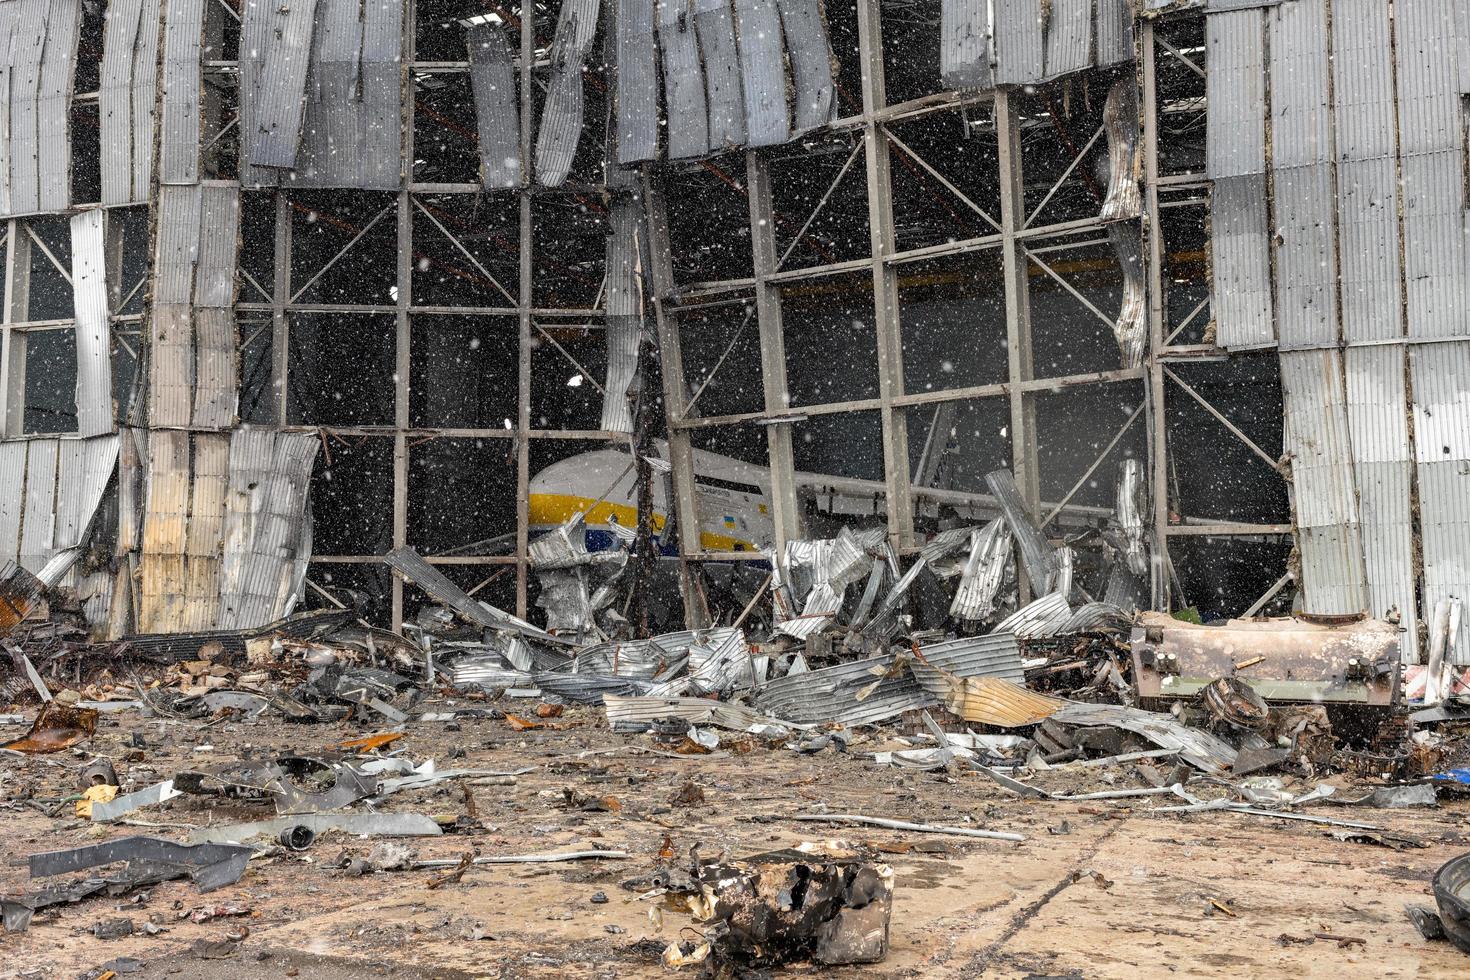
1158	446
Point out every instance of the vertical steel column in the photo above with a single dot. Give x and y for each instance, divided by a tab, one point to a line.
280	297
886	320
525	299
1019	366
1158	444
785	512
676	396
403	332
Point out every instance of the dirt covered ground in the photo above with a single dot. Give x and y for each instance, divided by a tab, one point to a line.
1099	889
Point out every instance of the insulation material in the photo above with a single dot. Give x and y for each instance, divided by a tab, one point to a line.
266	530
125	99
561	116
183	531
35	103
1440	374
183	41
49	491
94	336
624	312
1378	424
964	44
715	28
809	51
1069	37
635	97
762	72
350	129
192	362
497	107
273	98
1324	495
684	102
1019	35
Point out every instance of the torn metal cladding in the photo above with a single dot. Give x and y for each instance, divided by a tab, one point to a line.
1038	556
125	99
561	116
683	76
714	25
809	52
1131	508
626	251
762	72
1281	659
277	95
635	102
986	568
497	106
35	153
180	91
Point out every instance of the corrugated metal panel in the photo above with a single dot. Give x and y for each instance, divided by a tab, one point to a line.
204	535
1441	374
1378	423
1316	436
255	38
1069	37
1114	32
636	96
1039	618
1368	249
964	44
1240	263
1036	553
265	520
219	234
1301	120
9	15
1444	517
84	470
624	311
1362	79
183	39
26	27
1017	30
53	110
1306	288
1429	101
89	300
1434	244
12	498
216	392
129	71
985	569
714	25
561	116
177	245
38	525
497	108
814	95
1235	87
830	694
996	655
684	104
350	129
762	72
279	94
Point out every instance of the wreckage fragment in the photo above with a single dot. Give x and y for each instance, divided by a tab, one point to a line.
817	901
985	700
57	727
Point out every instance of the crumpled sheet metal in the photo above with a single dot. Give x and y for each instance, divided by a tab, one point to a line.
984	572
561	116
1097	617
994	655
985	700
696	711
210	866
720	661
1199	748
1131	503
57	727
832	694
1038	619
586	688
434	582
1036	553
1120	116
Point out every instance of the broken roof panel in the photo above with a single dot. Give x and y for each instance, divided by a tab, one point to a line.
964	44
1114	32
125	99
35	159
93	331
497	107
183	40
561	116
1069	37
762	72
49	491
279	93
684	102
636	93
1019	41
831	694
814	92
715	27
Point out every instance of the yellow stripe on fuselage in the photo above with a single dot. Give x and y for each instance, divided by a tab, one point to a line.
547	510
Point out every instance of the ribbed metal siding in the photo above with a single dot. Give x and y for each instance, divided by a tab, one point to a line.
84	467
830	694
762	72
38	526
1306	290
715	27
624	311
183	41
964	44
1378	423
12	498
94	338
1316	436
497	108
814	92
1368	249
1429	103
279	95
636	103
1019	41
1235	87
1362	77
1301	120
996	655
1441	378
36	84
1239	243
1069	37
684	104
49	491
53	121
129	72
1114	32
561	116
1434	243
